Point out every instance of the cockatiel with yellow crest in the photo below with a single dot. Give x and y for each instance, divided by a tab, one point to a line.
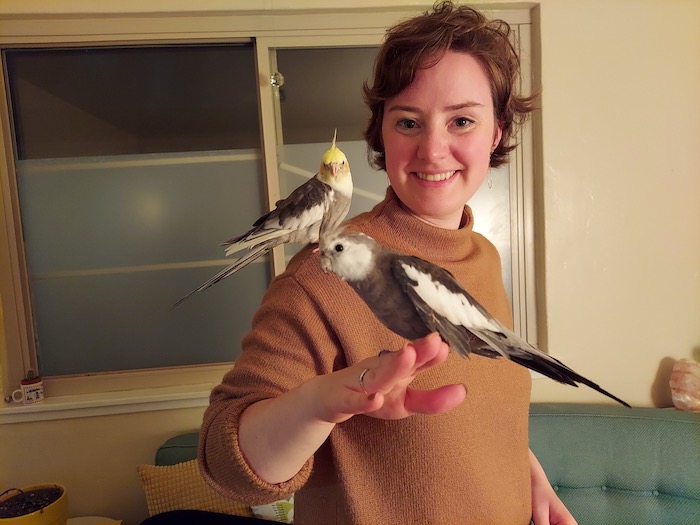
320	204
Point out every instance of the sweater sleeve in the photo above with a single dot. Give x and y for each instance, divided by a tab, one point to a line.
284	348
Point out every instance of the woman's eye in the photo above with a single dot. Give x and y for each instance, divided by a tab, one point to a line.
406	123
462	122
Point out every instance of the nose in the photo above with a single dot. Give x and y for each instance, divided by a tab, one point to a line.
433	144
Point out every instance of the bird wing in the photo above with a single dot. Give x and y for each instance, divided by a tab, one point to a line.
293	220
450	310
436	296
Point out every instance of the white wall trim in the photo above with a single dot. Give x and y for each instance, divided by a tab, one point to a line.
108	403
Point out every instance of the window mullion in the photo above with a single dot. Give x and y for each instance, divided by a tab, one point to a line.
266	100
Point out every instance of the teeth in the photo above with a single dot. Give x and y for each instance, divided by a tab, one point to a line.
435	177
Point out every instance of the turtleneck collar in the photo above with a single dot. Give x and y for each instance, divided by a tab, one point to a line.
408	234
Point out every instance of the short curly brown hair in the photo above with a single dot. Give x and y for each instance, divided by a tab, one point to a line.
421	42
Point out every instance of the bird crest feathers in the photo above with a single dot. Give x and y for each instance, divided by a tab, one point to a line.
333	154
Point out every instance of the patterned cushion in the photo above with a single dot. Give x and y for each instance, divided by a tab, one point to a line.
181	486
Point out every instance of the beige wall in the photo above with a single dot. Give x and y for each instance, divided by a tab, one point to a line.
620	193
621	181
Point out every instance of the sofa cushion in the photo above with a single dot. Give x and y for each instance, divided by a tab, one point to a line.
183	448
181	486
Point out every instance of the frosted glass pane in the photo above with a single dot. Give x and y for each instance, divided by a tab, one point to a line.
112	243
96	213
100	323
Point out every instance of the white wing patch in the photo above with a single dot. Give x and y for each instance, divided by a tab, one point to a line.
305	218
456	308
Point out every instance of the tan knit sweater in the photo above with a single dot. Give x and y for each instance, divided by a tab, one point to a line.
468	466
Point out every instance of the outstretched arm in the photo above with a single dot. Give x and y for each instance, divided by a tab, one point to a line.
278	436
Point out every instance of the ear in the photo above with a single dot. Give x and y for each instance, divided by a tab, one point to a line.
498	133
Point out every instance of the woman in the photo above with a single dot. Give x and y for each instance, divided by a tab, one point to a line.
422	436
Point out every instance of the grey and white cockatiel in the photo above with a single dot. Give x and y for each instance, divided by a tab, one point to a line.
413	297
320	204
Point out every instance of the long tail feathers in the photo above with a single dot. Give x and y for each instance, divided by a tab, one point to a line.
539	362
253	241
239	263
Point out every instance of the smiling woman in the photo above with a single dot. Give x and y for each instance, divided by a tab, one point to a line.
438	141
314	403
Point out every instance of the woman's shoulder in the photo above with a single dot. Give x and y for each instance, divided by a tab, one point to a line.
304	261
303	275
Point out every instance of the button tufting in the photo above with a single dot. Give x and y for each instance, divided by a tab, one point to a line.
655	492
604	487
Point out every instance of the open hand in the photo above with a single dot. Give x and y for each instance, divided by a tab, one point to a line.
387	392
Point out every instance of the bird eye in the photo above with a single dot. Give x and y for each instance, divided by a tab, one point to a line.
339	248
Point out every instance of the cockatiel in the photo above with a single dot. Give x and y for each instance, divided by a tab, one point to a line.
320	204
413	297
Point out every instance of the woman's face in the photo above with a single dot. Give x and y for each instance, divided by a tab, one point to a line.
438	135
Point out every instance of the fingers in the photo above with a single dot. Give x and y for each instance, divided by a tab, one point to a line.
353	403
379	386
430	350
435	401
385	371
338	396
390	368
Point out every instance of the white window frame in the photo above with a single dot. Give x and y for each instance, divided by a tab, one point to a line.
271	28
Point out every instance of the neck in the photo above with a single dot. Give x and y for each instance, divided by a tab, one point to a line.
403	231
453	222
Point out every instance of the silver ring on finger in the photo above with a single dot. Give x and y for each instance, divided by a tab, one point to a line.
361	380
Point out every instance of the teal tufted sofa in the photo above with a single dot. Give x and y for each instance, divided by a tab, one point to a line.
613	465
610	465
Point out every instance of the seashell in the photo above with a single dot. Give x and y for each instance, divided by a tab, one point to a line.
685	385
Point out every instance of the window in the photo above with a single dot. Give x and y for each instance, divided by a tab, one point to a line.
132	166
127	162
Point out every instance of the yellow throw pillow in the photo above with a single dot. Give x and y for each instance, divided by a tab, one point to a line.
181	487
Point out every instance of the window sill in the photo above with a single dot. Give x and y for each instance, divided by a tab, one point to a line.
109	403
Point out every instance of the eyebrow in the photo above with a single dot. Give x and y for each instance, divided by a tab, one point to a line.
454	107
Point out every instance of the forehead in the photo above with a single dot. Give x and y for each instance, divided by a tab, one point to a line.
457	78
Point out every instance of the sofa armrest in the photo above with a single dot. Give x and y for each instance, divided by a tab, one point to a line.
178	449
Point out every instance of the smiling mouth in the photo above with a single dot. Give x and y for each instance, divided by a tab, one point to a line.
435	177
